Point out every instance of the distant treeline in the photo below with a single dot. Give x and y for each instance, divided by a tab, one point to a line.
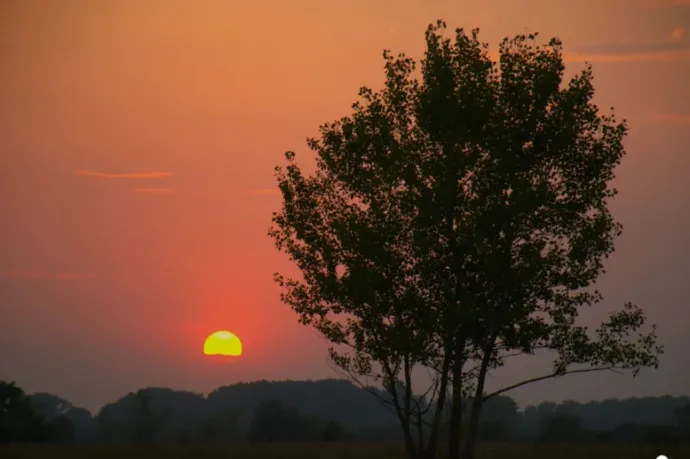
327	410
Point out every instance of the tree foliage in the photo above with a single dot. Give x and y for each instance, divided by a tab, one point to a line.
458	217
337	410
21	422
18	420
274	422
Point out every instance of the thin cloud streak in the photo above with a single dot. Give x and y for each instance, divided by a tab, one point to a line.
633	48
675	118
154	190
630	52
172	191
36	274
127	175
678	33
266	192
662	4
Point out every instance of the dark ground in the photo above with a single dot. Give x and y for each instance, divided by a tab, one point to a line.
333	451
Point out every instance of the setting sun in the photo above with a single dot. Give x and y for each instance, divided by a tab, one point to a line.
223	342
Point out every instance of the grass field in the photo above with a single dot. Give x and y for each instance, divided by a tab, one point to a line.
332	451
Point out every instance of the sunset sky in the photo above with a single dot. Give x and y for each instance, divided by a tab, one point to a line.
137	146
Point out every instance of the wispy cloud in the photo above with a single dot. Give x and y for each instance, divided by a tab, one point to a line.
172	191
674	118
266	192
678	33
126	175
662	3
154	190
631	52
36	274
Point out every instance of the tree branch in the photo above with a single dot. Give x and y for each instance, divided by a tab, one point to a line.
549	376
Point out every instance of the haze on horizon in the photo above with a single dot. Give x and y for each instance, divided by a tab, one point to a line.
137	146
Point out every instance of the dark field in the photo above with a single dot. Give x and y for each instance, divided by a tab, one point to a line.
335	451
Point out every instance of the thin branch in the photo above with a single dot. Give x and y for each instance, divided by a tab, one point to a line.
391	405
549	376
351	376
433	387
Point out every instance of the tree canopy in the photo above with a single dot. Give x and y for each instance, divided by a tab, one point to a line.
22	419
327	410
460	216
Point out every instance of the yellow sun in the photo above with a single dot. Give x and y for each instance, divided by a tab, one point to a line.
222	342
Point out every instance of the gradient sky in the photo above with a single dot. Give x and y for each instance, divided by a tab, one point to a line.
137	146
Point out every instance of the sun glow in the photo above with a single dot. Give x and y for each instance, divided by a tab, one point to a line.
223	342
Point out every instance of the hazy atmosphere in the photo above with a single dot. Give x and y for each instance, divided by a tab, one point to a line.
138	140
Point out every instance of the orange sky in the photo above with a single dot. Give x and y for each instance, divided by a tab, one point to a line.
137	145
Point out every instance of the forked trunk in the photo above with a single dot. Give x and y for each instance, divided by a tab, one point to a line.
406	425
456	409
468	452
438	413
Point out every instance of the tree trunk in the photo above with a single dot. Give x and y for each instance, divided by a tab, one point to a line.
410	449
440	406
403	416
454	436
405	424
468	453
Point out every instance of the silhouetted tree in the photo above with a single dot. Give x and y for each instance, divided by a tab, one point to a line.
499	419
223	426
274	423
65	422
665	439
560	428
608	415
50	406
60	429
149	415
336	410
335	399
682	415
19	421
333	431
628	432
456	221
146	421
